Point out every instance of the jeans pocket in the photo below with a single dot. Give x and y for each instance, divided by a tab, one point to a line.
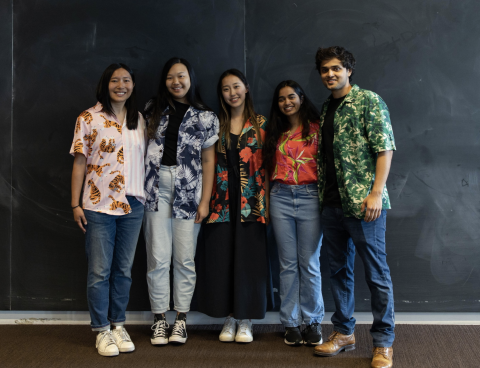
312	190
275	189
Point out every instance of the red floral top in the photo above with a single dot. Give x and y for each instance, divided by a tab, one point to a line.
296	158
252	178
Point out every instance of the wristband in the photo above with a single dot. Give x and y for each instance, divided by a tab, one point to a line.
75	206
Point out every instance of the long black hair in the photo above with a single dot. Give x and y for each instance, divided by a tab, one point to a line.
163	99
103	95
308	114
225	111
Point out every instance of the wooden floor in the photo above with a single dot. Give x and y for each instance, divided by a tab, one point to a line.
73	346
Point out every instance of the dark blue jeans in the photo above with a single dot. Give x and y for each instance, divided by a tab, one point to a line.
110	243
341	237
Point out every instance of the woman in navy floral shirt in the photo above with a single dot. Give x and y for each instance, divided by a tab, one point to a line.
179	174
232	261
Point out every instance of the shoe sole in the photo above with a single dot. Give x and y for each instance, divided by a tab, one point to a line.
112	354
293	343
344	348
178	340
244	341
313	343
161	342
232	339
126	350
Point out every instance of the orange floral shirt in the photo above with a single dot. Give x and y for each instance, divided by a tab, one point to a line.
296	158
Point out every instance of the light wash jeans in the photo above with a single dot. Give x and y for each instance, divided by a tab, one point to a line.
295	216
164	236
110	243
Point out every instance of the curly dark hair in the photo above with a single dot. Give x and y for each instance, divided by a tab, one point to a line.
328	53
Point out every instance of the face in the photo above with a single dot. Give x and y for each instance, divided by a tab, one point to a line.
178	82
234	91
335	76
288	101
120	86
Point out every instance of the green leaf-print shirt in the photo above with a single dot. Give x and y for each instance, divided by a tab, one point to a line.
362	128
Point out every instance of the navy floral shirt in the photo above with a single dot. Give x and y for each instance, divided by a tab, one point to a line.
198	130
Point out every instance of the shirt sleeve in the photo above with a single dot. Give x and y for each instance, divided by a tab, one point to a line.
378	125
212	129
82	130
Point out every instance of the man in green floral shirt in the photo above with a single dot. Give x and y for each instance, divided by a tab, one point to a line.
355	152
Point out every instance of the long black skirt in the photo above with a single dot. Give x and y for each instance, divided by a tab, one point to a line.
233	273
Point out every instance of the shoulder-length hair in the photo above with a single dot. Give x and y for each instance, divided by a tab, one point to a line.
103	95
308	114
163	99
225	110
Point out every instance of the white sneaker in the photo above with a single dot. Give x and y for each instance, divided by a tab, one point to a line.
105	344
244	331
228	330
122	339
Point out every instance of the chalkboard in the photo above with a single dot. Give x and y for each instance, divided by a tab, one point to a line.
421	57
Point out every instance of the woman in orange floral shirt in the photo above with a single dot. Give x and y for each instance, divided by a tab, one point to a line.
290	159
232	263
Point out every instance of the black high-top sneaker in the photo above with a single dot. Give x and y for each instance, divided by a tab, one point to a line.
160	330
179	333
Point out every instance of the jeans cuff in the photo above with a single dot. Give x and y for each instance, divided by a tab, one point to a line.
182	310
119	322
343	331
382	344
101	328
291	324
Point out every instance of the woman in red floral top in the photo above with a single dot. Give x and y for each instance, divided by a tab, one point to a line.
290	159
232	262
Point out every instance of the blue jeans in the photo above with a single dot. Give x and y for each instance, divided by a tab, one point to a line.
342	235
295	216
110	243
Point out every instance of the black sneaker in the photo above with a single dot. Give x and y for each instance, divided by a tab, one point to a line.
293	336
160	330
312	335
179	332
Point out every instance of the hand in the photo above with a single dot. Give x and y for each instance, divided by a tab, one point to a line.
202	212
373	204
79	218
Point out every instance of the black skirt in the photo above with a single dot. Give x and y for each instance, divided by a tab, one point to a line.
233	273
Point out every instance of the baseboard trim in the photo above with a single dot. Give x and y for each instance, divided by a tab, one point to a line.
197	318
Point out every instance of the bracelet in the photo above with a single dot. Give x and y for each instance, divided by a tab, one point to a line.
75	206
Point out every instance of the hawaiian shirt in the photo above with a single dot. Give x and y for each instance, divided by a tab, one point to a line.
296	158
115	166
198	130
252	177
362	128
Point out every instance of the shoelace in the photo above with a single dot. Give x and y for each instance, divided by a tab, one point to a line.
160	328
229	325
178	328
333	336
381	351
243	326
122	334
106	335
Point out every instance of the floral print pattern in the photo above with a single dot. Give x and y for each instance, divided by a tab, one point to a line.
252	178
362	128
199	130
296	157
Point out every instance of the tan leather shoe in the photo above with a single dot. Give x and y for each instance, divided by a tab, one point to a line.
335	344
382	357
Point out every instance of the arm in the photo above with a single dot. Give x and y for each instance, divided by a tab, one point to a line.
78	174
208	168
373	202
